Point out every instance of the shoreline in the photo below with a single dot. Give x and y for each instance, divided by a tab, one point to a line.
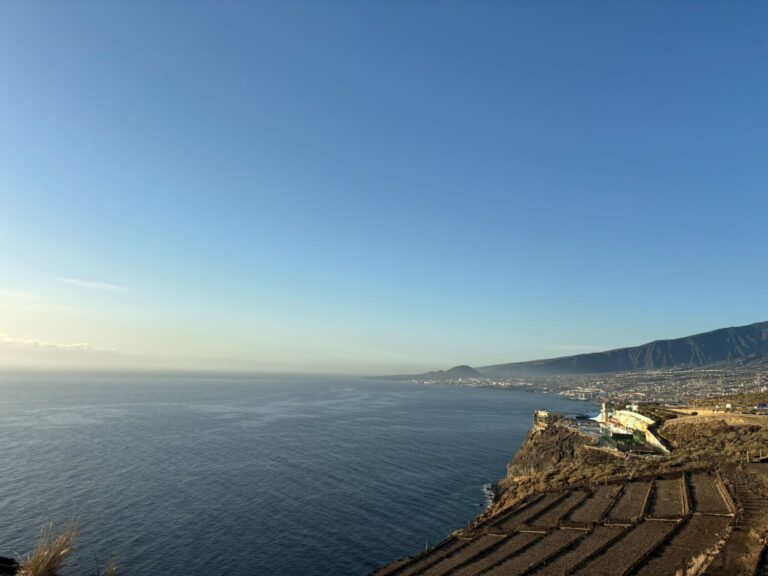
559	487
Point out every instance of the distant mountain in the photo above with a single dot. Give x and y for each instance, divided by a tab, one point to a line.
455	373
744	345
741	345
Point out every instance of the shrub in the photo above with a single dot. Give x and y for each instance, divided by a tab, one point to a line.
50	554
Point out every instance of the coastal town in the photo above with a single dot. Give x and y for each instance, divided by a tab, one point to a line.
675	386
629	430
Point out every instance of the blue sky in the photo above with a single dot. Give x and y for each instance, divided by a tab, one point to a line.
376	186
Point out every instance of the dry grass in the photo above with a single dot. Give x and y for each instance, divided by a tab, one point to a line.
717	417
51	553
555	459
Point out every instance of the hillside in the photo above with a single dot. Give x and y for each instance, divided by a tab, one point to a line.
456	373
566	507
738	345
724	348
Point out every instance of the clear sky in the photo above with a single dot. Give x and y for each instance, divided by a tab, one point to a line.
376	186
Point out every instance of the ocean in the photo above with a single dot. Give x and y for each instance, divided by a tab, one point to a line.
243	476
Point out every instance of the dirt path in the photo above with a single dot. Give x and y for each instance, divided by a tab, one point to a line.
742	552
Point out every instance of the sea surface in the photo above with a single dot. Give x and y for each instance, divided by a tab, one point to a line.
243	476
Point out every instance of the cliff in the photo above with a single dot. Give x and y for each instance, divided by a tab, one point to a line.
567	507
545	450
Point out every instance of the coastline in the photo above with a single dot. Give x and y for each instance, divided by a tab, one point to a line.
571	494
339	453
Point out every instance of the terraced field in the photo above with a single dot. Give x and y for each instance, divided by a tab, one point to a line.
629	550
699	534
512	546
705	496
594	508
524	514
567	561
423	562
606	531
629	505
554	515
474	549
667	499
543	549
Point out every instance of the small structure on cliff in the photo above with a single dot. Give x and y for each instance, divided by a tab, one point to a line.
629	422
543	418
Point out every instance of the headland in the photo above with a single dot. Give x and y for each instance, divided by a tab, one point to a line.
643	489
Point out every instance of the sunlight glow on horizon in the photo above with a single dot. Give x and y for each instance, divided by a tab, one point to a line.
376	187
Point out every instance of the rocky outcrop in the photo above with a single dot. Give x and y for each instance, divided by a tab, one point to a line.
545	450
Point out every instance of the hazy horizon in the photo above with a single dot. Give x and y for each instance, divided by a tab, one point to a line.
375	188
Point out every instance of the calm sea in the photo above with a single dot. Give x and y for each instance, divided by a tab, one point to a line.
249	476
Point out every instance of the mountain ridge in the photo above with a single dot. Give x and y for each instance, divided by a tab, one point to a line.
736	345
456	373
733	344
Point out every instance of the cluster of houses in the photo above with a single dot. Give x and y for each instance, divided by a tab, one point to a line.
629	423
625	430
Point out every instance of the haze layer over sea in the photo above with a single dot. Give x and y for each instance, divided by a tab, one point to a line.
193	476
